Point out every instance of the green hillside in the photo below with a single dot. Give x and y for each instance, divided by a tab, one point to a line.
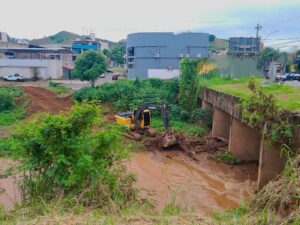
62	37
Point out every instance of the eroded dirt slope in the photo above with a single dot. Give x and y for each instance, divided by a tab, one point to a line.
43	100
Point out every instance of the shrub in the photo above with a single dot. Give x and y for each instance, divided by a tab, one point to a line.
129	94
65	157
7	101
227	157
202	115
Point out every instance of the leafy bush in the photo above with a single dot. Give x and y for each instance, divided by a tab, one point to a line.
7	97
202	115
128	94
65	157
227	157
9	147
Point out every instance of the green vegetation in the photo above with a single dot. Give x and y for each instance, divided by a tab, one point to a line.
127	95
89	65
10	110
188	93
73	160
261	112
227	157
189	129
59	89
116	54
287	97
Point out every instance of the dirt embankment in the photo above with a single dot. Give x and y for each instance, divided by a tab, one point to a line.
43	100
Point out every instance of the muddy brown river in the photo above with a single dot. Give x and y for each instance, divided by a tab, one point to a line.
198	186
203	186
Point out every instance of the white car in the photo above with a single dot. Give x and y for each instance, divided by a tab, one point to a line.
14	77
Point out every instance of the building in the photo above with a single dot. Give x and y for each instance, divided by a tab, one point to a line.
244	45
86	43
104	45
37	63
3	37
158	55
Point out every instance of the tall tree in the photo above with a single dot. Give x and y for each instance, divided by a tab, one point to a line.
267	55
187	84
116	54
89	65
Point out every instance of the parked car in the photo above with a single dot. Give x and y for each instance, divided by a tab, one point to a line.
14	77
115	77
297	77
289	76
102	75
280	77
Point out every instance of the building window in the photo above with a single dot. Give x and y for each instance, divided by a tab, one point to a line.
130	51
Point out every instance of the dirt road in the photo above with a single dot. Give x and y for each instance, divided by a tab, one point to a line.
43	100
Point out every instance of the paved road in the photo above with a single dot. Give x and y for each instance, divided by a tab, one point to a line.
293	83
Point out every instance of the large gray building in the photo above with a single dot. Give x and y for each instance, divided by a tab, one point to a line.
158	54
244	45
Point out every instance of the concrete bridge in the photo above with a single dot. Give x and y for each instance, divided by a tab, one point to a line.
245	142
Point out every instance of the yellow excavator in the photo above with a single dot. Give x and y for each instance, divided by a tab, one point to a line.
140	119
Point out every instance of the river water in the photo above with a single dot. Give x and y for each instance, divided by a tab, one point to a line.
202	186
199	186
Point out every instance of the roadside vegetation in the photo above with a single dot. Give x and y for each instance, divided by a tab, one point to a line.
72	160
12	105
59	89
126	95
287	97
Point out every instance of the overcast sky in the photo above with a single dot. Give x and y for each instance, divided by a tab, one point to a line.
114	19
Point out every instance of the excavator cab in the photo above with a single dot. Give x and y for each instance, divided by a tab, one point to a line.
128	119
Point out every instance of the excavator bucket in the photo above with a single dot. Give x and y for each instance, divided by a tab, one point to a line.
168	139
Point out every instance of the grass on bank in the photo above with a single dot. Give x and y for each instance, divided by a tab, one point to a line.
189	129
12	106
59	89
288	97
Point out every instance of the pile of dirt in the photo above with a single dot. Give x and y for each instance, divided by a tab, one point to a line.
189	145
43	100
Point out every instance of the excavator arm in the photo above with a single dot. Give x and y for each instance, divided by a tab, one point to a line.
164	113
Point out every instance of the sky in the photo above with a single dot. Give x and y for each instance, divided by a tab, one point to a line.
114	19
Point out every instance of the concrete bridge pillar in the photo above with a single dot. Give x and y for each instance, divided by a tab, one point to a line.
221	124
271	163
244	141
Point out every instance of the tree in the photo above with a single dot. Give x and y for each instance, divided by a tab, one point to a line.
187	84
212	38
267	55
117	53
89	66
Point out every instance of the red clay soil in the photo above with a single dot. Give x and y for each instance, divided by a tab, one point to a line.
43	100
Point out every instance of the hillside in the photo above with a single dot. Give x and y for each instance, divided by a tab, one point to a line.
218	44
62	37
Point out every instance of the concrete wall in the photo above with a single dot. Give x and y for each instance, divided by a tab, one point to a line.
221	124
236	66
163	73
29	68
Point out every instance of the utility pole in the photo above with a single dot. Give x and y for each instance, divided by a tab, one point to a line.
258	28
